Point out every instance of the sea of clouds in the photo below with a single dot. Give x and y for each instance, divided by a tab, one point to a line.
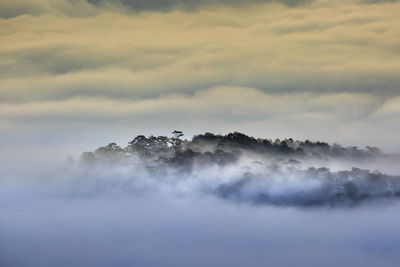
230	208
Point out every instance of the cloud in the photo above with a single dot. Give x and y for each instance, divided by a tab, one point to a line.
288	50
121	212
232	103
335	116
12	9
167	5
389	110
81	8
329	67
111	230
377	1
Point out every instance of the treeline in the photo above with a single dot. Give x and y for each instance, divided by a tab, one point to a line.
223	149
239	141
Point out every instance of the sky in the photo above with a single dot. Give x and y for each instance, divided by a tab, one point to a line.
77	74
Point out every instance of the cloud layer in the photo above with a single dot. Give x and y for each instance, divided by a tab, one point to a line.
91	7
125	209
319	70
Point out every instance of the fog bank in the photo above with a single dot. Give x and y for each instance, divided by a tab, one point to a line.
215	200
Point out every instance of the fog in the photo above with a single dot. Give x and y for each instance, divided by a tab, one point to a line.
171	202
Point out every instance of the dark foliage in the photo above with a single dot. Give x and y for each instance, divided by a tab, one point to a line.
223	149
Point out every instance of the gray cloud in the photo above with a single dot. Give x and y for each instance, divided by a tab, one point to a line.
83	8
79	8
166	5
74	8
11	10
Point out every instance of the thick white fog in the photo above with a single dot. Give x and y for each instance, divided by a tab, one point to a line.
168	202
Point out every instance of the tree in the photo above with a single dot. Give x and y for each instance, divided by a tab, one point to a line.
177	134
176	141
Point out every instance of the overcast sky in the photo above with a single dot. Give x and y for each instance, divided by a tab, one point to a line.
77	74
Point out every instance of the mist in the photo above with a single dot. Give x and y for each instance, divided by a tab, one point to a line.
214	200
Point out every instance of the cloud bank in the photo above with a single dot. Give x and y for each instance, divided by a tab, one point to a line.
61	61
255	200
